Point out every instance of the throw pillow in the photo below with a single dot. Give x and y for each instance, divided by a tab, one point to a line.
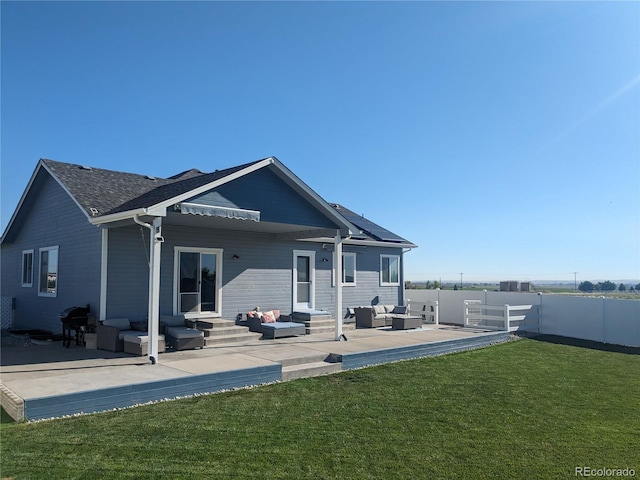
268	317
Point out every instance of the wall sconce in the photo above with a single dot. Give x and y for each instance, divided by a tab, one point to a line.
325	259
235	257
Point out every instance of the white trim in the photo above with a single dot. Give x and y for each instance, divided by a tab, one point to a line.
389	284
312	280
116	217
57	280
361	243
104	261
219	252
30	282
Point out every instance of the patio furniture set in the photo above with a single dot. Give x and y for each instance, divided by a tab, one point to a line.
394	316
123	335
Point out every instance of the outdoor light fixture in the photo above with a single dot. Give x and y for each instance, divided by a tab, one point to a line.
236	257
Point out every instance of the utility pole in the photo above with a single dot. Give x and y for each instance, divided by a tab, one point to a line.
575	282
460	280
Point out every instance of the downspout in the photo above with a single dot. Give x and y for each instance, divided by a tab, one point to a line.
154	283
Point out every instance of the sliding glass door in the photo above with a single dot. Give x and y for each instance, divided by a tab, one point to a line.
198	281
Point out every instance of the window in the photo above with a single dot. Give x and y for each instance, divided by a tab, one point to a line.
349	269
48	286
389	270
27	268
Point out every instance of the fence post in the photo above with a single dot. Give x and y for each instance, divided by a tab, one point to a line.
466	314
506	316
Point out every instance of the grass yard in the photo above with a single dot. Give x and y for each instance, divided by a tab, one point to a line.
525	409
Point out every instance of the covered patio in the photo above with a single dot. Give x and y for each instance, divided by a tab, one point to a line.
48	381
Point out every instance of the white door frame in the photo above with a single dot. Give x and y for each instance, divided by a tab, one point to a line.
176	280
312	279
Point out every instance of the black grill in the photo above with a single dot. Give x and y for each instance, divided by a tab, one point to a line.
74	318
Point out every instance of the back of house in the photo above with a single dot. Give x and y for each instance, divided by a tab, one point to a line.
253	235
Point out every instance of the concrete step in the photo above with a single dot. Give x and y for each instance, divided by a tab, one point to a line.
222	339
319	323
328	328
309	370
219	331
293	361
207	323
305	317
312	330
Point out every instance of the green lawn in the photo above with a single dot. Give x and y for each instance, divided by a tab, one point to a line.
525	409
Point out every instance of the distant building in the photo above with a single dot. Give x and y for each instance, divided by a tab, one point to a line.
509	286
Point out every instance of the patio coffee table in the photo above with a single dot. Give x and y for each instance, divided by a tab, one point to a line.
405	323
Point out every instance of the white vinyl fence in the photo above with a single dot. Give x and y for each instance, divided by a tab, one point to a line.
600	319
501	317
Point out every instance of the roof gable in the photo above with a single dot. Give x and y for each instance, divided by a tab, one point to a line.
264	191
106	195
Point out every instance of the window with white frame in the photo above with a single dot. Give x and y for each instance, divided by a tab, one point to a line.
48	281
27	268
389	270
348	270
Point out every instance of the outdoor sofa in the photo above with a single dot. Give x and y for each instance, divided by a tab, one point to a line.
111	333
120	334
179	334
274	325
379	315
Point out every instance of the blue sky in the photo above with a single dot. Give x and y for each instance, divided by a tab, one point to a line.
501	137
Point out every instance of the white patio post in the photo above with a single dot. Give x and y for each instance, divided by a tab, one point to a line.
154	288
338	281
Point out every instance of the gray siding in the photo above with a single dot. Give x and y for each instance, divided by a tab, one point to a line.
53	220
128	273
261	276
263	190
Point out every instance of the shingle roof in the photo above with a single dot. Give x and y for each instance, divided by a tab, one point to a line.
110	192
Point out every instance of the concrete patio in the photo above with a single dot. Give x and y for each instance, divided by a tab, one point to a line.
46	380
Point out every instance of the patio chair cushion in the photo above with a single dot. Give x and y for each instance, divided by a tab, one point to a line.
280	325
400	310
139	338
379	309
124	333
119	323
